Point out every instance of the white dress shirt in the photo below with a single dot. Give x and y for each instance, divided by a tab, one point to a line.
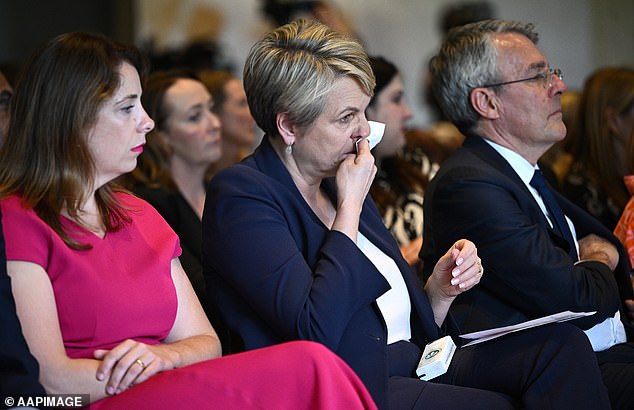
395	304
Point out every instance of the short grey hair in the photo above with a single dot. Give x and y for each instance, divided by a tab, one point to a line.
467	60
294	68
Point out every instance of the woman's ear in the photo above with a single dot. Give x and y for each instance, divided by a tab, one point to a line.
485	102
286	128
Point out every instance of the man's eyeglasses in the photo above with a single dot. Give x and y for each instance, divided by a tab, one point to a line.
545	78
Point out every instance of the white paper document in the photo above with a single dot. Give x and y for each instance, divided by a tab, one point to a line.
484	335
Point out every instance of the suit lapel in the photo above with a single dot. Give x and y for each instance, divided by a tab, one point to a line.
479	147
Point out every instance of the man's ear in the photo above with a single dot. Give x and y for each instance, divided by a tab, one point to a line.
286	128
485	102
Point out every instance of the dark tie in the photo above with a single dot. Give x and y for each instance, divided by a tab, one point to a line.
554	211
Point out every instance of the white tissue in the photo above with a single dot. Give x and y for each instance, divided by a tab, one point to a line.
376	133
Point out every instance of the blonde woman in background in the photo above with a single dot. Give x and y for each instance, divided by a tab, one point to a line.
239	132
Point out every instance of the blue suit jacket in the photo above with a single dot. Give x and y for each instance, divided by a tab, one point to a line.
278	274
477	195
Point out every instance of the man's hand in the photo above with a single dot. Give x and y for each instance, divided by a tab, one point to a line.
593	247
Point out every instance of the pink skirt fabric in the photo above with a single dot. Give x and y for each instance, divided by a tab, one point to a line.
294	375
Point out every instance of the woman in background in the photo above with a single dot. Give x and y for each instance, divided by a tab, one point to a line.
399	186
598	145
625	227
230	105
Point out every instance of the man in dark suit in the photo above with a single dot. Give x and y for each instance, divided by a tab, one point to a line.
18	368
497	87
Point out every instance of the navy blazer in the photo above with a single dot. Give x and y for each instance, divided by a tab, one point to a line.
527	271
278	274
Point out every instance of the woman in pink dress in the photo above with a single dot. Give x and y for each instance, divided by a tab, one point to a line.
103	301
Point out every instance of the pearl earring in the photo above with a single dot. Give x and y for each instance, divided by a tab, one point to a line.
289	149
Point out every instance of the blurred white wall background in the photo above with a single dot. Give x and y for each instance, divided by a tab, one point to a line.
577	36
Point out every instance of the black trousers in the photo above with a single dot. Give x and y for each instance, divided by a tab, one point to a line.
548	367
617	367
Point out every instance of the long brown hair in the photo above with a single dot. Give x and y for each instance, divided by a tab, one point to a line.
45	158
591	140
404	175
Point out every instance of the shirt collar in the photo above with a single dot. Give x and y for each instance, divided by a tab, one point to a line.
522	167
